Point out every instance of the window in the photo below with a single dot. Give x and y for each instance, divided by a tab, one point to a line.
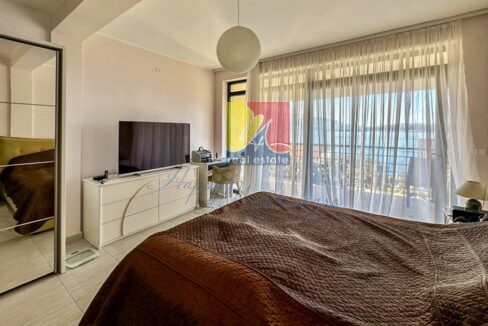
366	131
236	91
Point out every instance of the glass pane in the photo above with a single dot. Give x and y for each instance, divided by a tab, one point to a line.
24	257
27	162
238	87
238	98
27	73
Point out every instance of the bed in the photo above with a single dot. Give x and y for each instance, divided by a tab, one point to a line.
28	188
270	259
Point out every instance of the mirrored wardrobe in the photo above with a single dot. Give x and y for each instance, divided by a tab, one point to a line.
30	94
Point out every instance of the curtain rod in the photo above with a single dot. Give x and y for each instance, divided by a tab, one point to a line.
375	35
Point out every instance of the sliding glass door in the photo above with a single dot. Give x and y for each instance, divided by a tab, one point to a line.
367	148
29	160
379	151
373	125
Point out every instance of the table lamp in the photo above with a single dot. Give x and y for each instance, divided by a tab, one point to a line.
473	190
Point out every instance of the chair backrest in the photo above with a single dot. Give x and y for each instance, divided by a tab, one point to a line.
227	175
234	171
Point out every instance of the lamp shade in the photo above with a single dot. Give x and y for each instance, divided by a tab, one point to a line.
472	189
238	49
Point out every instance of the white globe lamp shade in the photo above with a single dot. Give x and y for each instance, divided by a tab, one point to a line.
238	49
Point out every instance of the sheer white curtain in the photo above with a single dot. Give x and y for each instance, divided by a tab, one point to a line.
380	125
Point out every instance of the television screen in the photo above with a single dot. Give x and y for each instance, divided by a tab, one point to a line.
152	145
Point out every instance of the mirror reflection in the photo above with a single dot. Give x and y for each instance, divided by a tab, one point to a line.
27	170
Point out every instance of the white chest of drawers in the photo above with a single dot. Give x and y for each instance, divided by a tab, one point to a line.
122	206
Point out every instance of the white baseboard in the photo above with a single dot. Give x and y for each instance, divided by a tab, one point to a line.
74	237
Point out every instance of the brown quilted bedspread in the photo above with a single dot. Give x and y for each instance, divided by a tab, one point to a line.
270	259
31	188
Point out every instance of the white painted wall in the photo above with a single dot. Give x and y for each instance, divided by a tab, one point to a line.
72	23
72	121
120	82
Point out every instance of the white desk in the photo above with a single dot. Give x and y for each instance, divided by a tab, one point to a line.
205	174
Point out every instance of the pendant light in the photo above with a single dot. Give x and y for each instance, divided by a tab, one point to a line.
238	48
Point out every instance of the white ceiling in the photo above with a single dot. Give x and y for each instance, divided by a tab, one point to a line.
188	30
48	6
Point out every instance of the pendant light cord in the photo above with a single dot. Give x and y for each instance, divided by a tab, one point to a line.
238	13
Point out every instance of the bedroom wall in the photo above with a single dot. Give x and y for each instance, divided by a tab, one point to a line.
475	43
123	82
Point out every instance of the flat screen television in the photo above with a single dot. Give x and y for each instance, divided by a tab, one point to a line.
152	145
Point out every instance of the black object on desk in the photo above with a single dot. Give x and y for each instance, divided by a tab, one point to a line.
102	177
463	215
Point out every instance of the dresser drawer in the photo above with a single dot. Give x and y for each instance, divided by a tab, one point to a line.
128	207
167	195
173	179
117	228
124	190
177	207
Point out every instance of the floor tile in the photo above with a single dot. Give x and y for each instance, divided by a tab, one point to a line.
44	302
87	279
119	249
85	300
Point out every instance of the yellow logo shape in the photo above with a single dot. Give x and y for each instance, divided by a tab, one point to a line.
242	125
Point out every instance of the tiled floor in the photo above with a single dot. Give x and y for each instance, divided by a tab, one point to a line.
62	299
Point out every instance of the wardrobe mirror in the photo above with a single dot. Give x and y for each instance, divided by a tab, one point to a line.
28	83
